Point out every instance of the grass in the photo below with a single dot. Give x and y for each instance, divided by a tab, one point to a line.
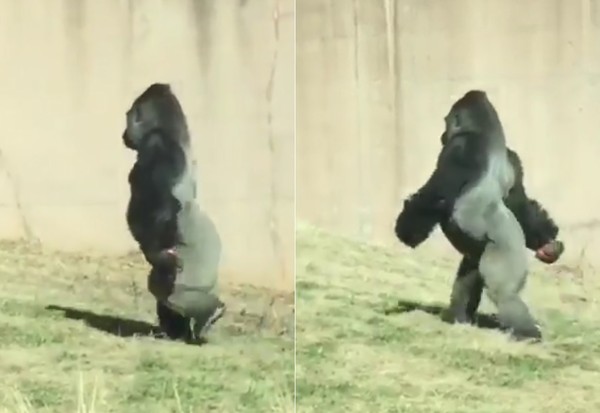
368	339
74	338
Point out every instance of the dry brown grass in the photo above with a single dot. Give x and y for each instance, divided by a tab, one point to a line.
352	357
52	363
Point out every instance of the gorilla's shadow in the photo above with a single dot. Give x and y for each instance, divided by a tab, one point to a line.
117	326
486	321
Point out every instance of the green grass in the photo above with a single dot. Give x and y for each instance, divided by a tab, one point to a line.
53	363
356	352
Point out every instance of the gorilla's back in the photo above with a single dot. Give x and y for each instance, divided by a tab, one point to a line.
201	249
474	209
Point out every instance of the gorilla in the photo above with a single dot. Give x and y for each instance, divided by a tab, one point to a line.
476	194
540	236
176	238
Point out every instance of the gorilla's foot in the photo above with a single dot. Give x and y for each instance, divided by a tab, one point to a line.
163	335
172	325
180	332
464	318
528	336
532	334
457	317
201	326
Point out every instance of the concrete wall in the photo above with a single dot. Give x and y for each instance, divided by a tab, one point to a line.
69	70
375	78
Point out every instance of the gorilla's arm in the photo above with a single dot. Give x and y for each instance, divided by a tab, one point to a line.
158	234
165	220
415	222
458	164
538	226
158	172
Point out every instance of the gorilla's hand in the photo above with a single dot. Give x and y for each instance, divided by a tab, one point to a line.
406	233
551	252
415	223
169	260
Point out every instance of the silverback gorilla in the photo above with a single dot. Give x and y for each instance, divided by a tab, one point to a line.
540	236
476	194
175	236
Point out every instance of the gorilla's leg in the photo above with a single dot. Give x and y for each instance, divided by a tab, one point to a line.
504	270
466	292
194	293
514	314
174	325
203	307
475	297
160	283
465	297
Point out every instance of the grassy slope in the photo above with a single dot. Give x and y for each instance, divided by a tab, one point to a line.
352	357
51	363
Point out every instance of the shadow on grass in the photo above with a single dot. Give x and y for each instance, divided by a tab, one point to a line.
486	321
117	326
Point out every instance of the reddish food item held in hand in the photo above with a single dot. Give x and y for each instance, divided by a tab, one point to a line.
550	252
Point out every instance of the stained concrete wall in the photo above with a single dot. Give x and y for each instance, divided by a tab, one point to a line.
375	79
69	70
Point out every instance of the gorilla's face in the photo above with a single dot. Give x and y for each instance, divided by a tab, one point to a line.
131	135
141	119
455	123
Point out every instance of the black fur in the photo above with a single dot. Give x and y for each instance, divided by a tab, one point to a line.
152	209
419	218
416	222
458	166
473	138
538	226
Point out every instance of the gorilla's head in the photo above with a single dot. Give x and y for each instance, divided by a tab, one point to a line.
154	117
472	113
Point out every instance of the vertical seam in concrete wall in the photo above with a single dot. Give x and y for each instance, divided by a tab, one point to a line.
16	189
272	210
203	12
128	50
362	219
398	108
390	16
75	16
